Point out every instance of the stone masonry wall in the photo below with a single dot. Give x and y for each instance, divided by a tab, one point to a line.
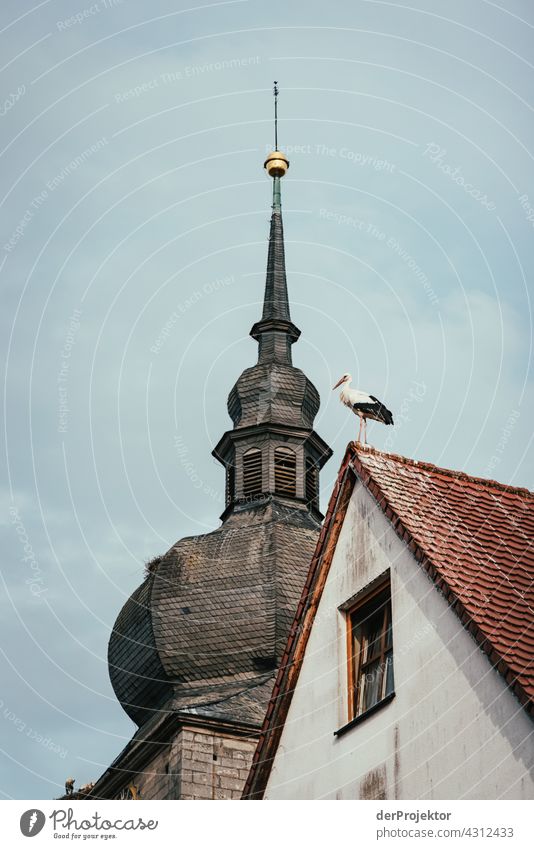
214	766
153	782
197	764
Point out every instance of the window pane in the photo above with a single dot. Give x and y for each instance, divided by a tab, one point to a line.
357	642
372	638
389	632
371	681
372	653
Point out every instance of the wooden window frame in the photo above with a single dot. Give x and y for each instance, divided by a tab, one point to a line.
311	482
364	608
285	476
252	475
230	484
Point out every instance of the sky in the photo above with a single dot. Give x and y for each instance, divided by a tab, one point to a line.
133	243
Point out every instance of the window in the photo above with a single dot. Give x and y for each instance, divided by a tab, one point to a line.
230	483
252	479
311	481
370	652
285	472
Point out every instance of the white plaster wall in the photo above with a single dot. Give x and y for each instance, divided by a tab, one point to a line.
454	730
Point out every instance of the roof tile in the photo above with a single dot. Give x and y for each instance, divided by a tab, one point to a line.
479	536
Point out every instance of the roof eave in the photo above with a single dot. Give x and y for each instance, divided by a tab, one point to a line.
310	437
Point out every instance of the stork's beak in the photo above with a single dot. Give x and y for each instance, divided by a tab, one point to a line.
340	381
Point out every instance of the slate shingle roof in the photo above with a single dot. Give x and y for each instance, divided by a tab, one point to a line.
474	538
276	301
212	620
135	669
275	393
207	629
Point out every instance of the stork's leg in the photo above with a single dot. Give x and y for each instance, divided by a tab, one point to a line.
360	430
364	431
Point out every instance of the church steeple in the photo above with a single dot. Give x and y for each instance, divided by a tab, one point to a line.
199	642
275	333
273	451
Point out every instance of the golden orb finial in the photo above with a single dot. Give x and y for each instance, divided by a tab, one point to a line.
276	164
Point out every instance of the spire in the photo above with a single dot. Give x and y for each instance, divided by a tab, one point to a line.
276	301
273	453
275	332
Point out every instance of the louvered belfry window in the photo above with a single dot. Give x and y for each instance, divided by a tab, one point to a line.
252	472
230	484
311	481
285	472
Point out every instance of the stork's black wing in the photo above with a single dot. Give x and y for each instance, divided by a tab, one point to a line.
375	411
382	412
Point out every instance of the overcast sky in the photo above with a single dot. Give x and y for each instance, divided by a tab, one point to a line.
133	244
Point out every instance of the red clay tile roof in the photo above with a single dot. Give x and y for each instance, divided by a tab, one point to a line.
478	535
474	537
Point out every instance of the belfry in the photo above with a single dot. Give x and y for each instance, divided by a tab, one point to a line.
194	651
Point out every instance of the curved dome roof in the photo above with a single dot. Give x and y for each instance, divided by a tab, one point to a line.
137	675
276	393
214	615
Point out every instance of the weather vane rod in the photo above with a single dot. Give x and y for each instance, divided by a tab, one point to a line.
275	92
277	162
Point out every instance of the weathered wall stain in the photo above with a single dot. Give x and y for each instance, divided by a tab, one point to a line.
373	784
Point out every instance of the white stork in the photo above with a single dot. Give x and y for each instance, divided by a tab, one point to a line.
363	405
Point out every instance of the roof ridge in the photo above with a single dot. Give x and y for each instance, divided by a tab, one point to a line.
360	451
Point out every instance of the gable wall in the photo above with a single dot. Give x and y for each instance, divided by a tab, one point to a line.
453	730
